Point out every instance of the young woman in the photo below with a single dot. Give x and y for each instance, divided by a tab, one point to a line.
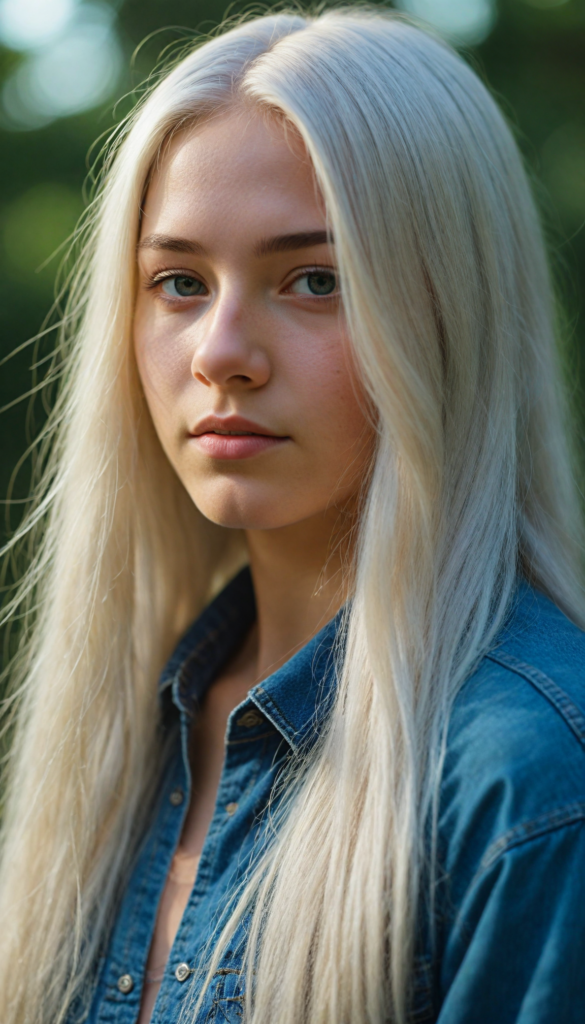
311	396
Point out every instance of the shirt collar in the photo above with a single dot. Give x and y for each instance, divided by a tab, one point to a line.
295	698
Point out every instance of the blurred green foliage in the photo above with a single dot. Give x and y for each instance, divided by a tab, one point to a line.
533	60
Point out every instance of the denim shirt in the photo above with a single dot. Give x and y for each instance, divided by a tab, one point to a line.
510	911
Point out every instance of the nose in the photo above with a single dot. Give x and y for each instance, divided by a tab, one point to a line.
228	352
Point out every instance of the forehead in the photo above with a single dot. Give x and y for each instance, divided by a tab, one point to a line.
242	166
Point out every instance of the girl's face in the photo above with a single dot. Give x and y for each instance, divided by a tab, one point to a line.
239	329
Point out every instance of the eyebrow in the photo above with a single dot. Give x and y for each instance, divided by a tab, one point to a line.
288	243
265	247
171	244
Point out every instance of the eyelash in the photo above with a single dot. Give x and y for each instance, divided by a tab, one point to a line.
166	275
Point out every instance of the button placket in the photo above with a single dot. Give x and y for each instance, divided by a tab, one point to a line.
231	789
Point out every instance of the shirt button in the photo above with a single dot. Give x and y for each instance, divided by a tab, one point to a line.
231	808
125	983
249	719
182	972
177	797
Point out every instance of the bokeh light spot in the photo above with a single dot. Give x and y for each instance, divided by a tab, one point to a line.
26	24
75	72
460	21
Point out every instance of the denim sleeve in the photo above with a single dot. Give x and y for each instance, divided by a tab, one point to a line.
515	953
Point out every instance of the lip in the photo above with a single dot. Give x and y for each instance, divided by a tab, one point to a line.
254	439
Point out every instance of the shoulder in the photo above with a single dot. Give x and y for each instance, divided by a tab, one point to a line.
515	759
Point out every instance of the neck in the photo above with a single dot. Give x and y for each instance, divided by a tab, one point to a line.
299	583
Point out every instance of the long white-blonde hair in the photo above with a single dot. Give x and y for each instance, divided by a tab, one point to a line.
447	295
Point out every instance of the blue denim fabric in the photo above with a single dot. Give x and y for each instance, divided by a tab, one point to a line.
510	907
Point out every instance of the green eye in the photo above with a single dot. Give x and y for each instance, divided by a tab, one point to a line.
182	286
315	282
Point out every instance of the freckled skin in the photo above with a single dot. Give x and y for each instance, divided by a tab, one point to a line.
248	346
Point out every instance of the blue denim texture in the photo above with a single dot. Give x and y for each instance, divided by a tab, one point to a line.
510	902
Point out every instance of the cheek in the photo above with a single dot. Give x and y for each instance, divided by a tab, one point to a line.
161	366
328	388
334	436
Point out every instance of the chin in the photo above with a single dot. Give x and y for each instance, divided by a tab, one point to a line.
243	509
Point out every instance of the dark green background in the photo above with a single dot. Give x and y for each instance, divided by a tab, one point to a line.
534	61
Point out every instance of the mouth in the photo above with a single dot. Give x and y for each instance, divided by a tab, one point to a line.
236	433
233	437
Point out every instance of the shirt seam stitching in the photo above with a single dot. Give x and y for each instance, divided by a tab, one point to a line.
270	699
547	687
249	739
529	831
